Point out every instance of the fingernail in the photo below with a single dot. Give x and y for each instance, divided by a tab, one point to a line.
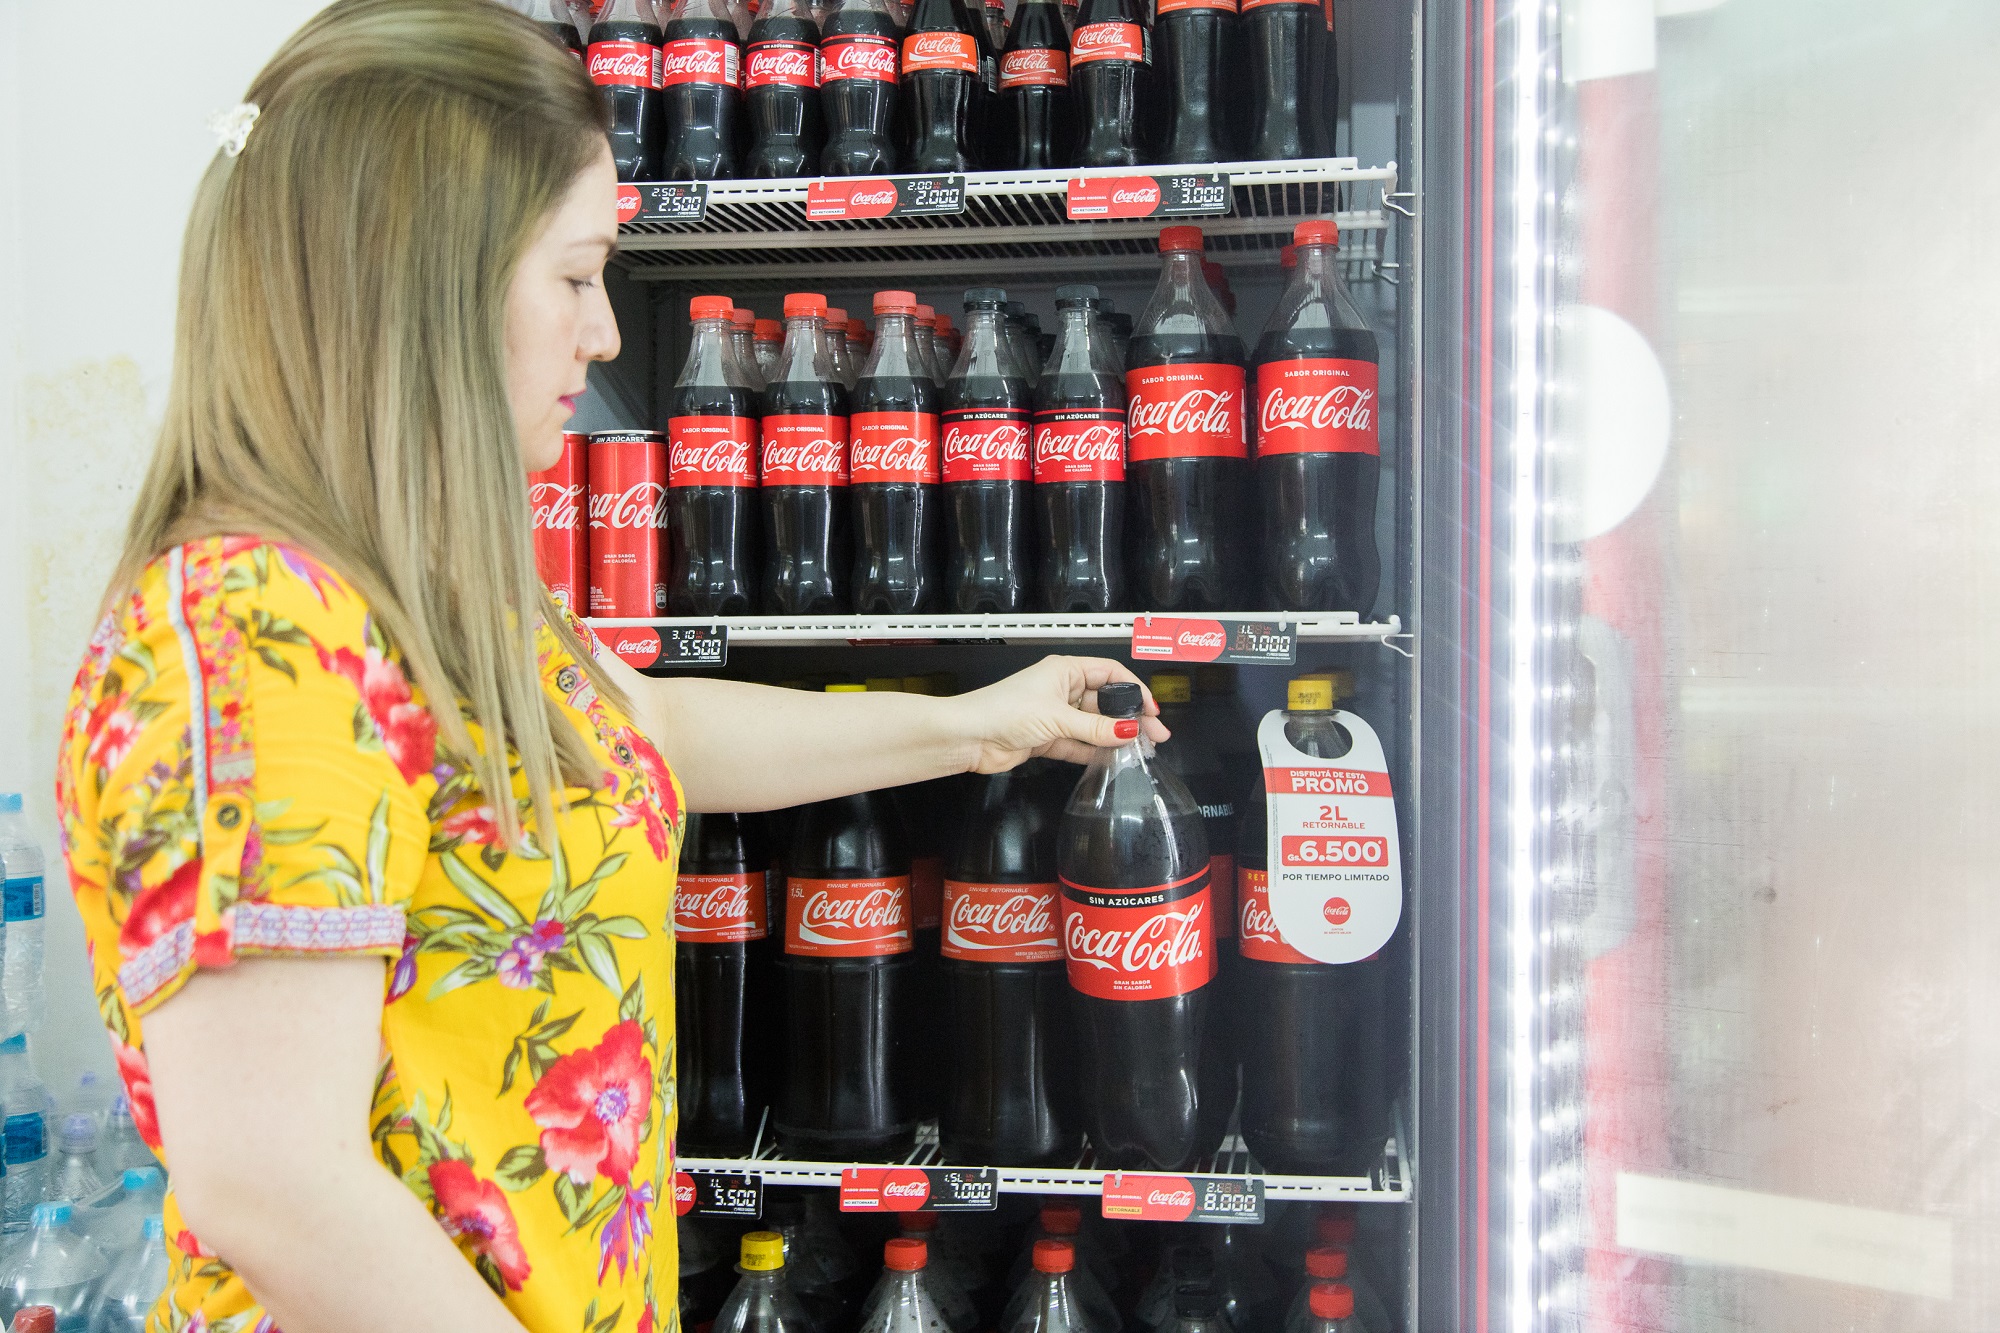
1127	729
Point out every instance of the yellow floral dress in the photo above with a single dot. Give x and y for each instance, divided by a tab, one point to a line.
246	772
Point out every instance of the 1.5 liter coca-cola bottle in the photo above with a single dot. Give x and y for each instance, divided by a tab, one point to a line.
725	983
893	469
1079	443
558	20
941	78
1289	46
1037	112
1107	66
624	60
1007	1099
743	346
781	89
701	70
859	59
1139	937
711	475
1319	454
1195	39
1187	516
988	560
804	472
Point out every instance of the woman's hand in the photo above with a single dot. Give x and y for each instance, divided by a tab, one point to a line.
1049	710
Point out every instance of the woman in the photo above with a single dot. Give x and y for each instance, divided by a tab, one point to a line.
411	1047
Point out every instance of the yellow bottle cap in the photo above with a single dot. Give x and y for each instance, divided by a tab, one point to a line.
916	684
1172	687
763	1252
1309	694
885	685
847	689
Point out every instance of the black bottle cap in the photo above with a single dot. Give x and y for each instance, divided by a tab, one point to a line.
986	298
1120	699
1076	294
1193	1302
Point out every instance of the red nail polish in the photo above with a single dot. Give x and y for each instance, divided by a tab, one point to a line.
1127	729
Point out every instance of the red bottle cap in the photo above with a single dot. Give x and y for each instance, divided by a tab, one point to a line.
1288	257
1326	1262
941	322
927	314
1331	1300
1213	272
895	303
804	303
1062	1219
769	331
1054	1256
710	307
835	316
742	318
1180	238
919	1221
1316	233
856	331
1336	1230
904	1255
35	1319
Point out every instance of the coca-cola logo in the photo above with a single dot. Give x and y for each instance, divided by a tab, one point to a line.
863	59
1337	911
1210	638
640	505
1343	407
1195	412
904	454
623	63
1029	915
683	1192
879	909
1164	941
556	507
885	195
935	45
1144	194
905	1189
1004	443
1171	1198
1257	922
710	459
1102	37
636	647
723	904
1100	443
690	60
821	456
780	64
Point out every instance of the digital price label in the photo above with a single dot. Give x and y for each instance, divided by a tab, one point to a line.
1218	639
1187	194
675	646
1333	851
663	201
884	197
905	1189
715	1194
1148	1198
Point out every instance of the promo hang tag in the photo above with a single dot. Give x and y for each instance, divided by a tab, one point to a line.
1336	868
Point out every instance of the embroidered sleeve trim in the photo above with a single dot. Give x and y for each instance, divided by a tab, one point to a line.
270	928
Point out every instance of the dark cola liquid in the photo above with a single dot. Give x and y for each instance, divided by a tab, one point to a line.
638	122
989	555
1193	49
918	806
1318	510
1080	524
1111	95
860	112
725	1001
846	1093
563	33
896	524
785	122
939	103
701	118
1288	52
1189	521
806	535
712	531
1037	114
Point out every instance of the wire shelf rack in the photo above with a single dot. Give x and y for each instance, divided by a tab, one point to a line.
1115	627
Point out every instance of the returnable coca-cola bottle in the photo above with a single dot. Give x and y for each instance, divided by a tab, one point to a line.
1037	110
623	59
701	72
1319	453
1079	445
1187	516
711	474
894	470
1139	940
941	77
859	59
804	471
725	983
1107	65
1288	45
989	560
1194	39
781	88
846	1091
1007	1101
558	20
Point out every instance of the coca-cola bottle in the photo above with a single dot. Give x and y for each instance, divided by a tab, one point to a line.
859	59
894	469
1331	1305
1026	355
941	76
1079	444
1037	111
1007	1098
1107	65
1187	516
1194	39
1139	937
1288	44
1331	1265
701	70
725	983
767	340
996	23
743	347
804	471
947	339
833	350
711	474
989	560
903	1300
623	59
924	331
1218	282
1192	755
1319	454
859	338
1050	1304
781	86
558	20
846	1092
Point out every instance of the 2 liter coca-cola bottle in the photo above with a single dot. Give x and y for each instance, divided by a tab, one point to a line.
860	56
781	90
893	469
987	479
804	468
701	70
1079	444
711	474
623	59
725	982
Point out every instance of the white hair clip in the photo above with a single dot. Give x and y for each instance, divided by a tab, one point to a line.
232	127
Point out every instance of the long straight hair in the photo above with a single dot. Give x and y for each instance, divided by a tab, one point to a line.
339	376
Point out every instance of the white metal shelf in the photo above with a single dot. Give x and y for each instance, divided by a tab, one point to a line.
1317	627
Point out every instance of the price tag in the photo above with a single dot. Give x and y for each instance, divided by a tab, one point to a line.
905	1189
1189	194
1214	639
714	1194
1147	1198
1336	874
676	646
884	197
663	201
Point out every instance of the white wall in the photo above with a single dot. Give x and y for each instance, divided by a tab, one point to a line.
94	192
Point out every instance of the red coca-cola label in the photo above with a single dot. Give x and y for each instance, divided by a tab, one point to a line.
1317	405
1107	41
1034	68
721	909
1080	444
791	64
986	444
805	451
847	918
940	50
1190	411
1176	6
927	891
858	57
1257	930
623	64
1247	5
557	498
711	451
1139	944
1000	923
893	447
628	510
700	60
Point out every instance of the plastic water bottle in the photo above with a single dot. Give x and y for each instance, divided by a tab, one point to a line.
115	1221
56	1267
92	1098
120	1148
75	1178
26	1133
134	1284
21	870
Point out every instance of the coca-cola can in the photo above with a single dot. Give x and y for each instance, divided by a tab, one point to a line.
557	497
628	520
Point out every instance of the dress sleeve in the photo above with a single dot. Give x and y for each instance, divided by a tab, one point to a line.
268	795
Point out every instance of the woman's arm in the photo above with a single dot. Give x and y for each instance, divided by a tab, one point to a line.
752	747
263	1074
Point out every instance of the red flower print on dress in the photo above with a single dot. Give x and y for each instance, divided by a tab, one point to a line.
408	731
157	910
638	810
472	824
475	1213
116	730
138	1081
592	1106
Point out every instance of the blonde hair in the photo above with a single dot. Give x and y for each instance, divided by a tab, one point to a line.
339	376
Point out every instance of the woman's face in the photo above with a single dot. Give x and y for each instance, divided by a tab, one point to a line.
558	317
